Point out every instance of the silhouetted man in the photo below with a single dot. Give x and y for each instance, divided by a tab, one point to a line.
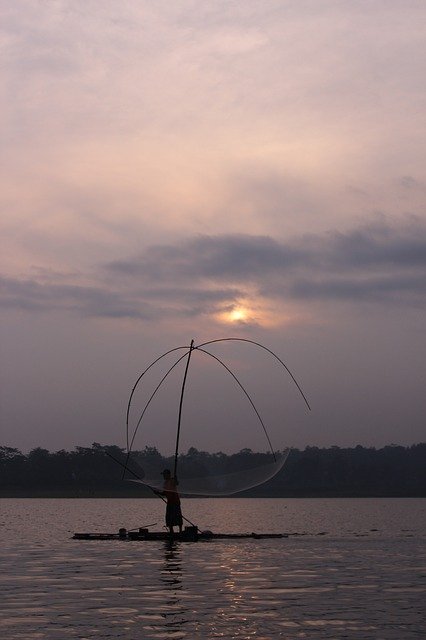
173	510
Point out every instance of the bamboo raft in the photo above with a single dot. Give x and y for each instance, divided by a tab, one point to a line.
189	534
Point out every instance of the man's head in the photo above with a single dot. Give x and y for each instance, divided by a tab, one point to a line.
166	474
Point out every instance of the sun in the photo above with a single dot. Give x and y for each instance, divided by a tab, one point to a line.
248	312
238	314
255	311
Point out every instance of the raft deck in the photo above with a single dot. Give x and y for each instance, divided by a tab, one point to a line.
189	534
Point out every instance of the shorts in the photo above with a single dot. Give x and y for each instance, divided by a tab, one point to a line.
173	515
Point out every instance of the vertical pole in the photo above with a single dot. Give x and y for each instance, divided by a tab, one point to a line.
191	348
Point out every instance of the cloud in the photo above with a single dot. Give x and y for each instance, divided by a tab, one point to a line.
407	289
148	304
235	256
380	263
240	256
30	295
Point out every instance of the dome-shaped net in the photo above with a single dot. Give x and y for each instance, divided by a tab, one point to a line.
217	413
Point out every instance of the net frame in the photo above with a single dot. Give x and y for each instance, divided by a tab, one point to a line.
205	485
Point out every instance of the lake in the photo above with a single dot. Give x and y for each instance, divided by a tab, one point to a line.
350	568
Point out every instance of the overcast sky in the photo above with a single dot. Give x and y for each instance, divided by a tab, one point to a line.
179	170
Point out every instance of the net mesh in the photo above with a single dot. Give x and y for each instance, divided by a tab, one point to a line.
197	478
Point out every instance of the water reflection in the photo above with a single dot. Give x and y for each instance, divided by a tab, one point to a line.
314	587
171	575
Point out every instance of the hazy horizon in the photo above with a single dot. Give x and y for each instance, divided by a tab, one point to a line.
170	454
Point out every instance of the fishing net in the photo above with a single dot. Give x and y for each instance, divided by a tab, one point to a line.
208	481
216	413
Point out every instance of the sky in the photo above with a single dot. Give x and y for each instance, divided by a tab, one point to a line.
184	170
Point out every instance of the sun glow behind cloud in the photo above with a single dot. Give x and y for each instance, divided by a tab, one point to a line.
258	312
239	314
236	315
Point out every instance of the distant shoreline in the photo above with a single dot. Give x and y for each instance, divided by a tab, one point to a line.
358	472
122	496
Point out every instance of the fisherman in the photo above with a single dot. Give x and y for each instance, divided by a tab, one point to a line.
173	510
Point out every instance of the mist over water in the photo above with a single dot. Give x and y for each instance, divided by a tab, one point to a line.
350	568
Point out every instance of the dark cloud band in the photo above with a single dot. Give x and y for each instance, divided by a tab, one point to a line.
379	263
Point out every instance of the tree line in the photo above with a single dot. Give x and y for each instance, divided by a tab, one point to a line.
391	471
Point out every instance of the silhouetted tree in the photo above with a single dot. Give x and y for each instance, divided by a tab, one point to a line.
390	471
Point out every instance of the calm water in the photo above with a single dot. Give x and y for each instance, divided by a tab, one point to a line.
351	569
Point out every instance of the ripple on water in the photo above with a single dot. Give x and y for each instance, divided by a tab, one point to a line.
301	587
